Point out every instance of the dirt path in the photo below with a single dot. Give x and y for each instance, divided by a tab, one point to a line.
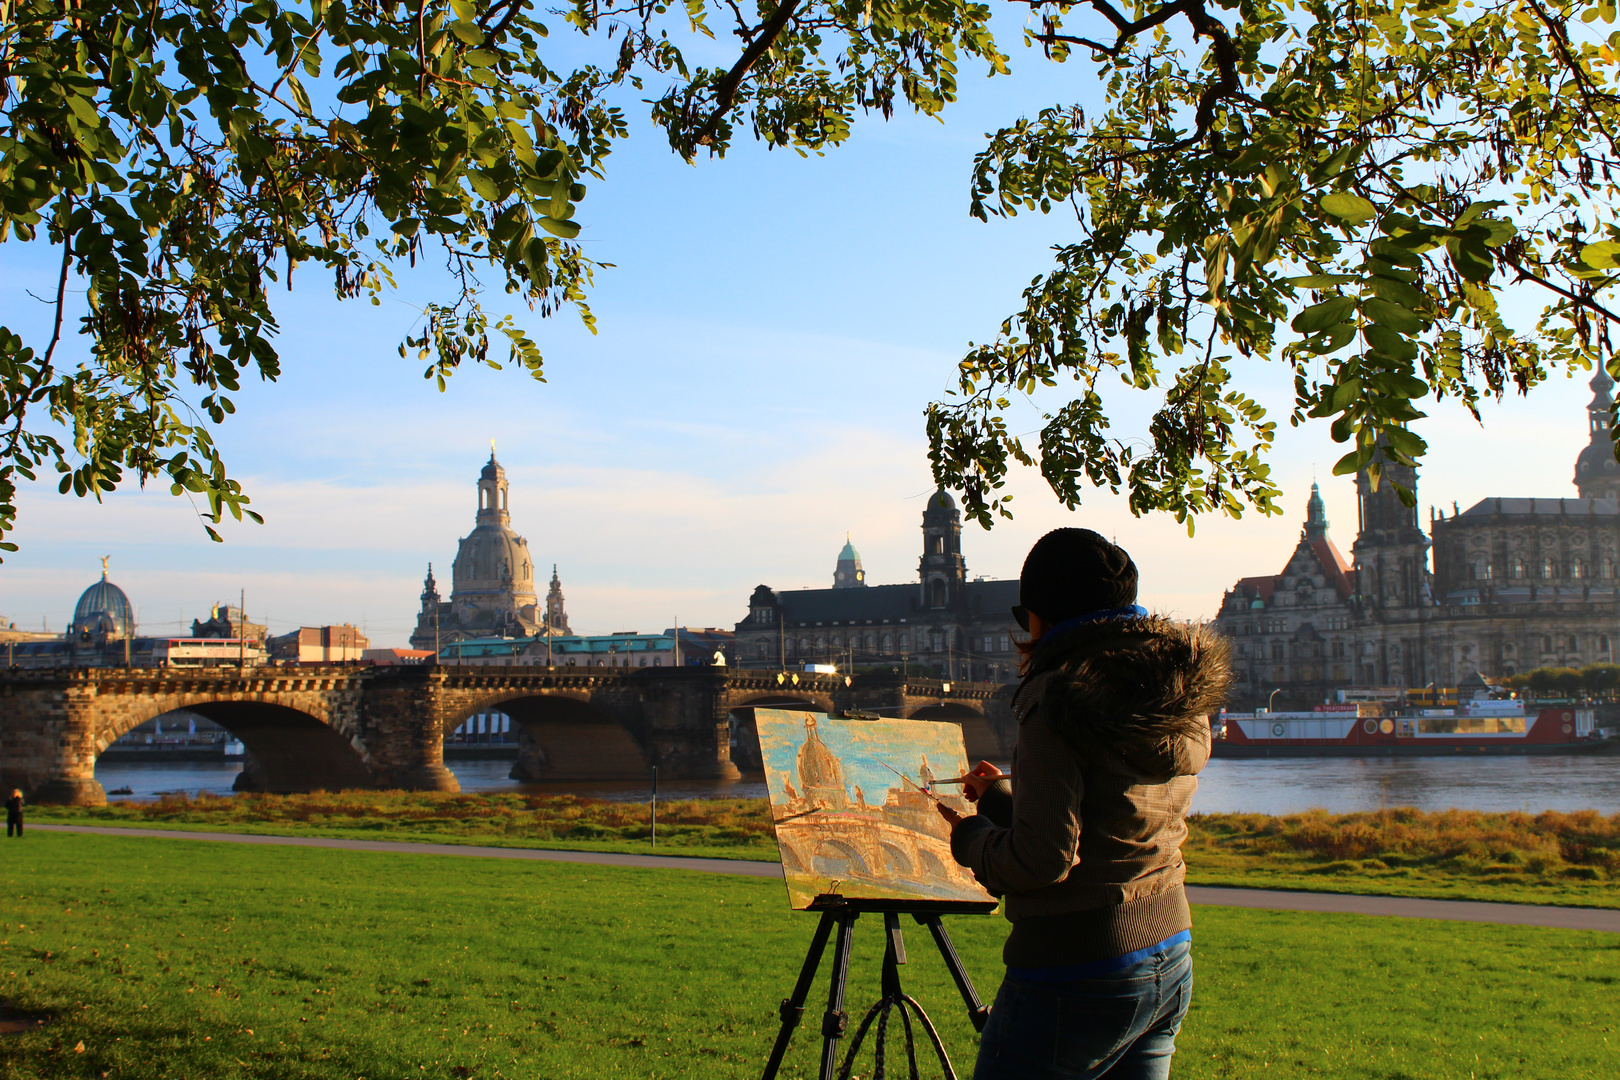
1563	918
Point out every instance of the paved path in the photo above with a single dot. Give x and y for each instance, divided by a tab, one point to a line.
1564	918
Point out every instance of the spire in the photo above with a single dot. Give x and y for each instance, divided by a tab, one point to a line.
1316	522
556	615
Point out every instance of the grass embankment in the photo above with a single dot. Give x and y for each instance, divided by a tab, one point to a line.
1549	858
173	959
718	828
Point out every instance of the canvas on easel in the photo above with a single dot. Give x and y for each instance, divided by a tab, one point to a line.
855	811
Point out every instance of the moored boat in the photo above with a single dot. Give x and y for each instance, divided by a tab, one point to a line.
1376	730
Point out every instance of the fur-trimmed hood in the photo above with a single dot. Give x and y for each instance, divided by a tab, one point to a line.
1142	687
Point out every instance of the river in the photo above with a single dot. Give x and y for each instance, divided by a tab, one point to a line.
1255	785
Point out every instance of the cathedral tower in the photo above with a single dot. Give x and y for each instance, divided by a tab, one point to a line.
1391	550
942	571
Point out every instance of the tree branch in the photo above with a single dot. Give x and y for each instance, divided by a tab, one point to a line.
726	89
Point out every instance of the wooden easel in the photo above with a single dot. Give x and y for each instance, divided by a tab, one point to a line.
842	913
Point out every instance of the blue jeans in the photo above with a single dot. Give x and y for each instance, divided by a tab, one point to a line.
1121	1025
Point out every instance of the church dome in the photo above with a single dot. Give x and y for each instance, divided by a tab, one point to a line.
494	554
1596	463
849	554
103	608
942	501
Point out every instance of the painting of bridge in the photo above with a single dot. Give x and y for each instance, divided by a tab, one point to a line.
853	812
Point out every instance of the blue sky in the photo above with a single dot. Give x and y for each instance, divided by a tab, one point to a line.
768	339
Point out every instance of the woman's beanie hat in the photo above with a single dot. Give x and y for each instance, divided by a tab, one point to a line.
1070	572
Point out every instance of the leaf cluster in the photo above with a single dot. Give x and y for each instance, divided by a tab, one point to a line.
1348	190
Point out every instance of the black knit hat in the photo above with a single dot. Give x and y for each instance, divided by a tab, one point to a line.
1071	572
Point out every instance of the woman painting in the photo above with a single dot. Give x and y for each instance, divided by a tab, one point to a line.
1084	841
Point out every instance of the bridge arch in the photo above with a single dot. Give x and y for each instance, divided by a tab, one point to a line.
297	745
564	735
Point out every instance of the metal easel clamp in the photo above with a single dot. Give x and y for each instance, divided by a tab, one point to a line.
833	1024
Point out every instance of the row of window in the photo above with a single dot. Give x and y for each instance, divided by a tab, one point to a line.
1519	569
1551	644
886	643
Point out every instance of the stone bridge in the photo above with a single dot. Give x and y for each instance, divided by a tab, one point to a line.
335	727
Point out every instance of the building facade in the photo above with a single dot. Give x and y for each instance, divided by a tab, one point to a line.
961	629
103	633
492	592
320	645
1507	585
684	646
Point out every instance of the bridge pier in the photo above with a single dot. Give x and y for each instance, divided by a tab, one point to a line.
406	733
48	750
689	720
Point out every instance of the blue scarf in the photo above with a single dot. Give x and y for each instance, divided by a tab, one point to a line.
1062	629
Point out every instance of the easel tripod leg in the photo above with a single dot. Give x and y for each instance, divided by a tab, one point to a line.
835	1019
978	1011
792	1008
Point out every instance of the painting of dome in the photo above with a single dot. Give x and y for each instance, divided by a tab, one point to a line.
854	816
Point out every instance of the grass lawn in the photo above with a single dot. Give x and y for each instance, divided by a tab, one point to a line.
1548	858
174	959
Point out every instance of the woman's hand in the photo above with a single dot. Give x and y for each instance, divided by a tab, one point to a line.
951	816
977	782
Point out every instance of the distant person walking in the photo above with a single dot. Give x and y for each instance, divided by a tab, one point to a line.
14	813
1084	839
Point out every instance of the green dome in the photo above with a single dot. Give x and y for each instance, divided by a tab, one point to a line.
849	554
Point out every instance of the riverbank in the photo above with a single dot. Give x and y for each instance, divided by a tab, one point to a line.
169	958
1548	858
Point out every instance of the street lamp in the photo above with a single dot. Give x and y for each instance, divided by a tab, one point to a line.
1272	698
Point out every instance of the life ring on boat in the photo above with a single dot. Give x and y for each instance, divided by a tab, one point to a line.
1278	729
1369	726
1568	728
1386	726
1567	717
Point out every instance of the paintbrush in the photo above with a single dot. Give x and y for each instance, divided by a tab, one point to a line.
908	779
974	776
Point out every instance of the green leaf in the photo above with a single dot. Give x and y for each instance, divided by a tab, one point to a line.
1328	313
1321	281
1348	207
565	229
1393	345
1603	255
1471	261
1393	316
467	32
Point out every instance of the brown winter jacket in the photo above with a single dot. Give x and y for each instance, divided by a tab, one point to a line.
1085	844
